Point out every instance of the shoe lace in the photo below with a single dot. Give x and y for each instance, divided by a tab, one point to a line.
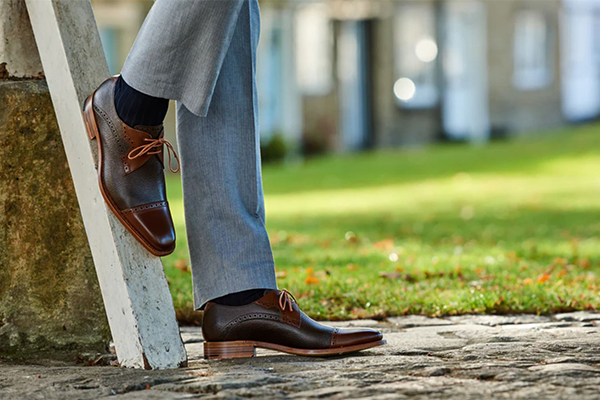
285	298
154	146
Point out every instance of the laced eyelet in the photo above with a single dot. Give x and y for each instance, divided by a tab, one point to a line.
154	146
285	298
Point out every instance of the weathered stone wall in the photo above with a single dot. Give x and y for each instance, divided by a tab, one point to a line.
49	295
50	303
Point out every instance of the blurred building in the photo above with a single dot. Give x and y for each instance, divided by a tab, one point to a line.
351	74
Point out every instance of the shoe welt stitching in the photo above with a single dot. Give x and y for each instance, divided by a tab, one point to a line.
145	207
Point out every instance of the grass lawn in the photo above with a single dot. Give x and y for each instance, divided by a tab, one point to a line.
512	227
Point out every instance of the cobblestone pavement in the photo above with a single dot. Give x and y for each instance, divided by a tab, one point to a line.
467	357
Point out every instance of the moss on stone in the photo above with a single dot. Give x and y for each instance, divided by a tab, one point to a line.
49	295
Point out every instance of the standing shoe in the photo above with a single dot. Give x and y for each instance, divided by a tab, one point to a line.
275	322
131	171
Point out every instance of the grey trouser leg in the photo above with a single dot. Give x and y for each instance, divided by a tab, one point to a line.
220	154
181	47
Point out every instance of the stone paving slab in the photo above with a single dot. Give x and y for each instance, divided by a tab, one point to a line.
468	357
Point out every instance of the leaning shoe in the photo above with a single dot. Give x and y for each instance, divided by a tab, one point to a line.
130	171
275	322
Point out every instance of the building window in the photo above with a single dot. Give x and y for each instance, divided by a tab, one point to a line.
314	48
416	53
532	51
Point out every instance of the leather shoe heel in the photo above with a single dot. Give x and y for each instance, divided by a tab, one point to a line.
227	350
89	118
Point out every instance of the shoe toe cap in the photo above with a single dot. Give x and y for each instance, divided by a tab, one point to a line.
155	226
350	337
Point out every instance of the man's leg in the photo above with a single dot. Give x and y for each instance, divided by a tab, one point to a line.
218	137
225	217
179	54
220	153
180	49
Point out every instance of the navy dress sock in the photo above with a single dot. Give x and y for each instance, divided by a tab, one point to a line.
136	108
241	298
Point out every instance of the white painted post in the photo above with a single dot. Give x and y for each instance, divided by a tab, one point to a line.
134	287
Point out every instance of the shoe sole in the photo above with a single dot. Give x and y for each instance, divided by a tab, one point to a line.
93	132
247	349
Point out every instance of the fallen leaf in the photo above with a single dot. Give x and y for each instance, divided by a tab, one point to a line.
560	261
183	265
358	313
351	267
321	274
386	244
281	274
351	237
584	263
296	239
390	275
311	280
543	278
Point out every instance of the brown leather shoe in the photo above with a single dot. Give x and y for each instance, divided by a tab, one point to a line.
130	171
275	322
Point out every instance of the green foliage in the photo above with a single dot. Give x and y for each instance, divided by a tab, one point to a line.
508	228
275	150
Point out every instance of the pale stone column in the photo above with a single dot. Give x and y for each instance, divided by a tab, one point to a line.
50	303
